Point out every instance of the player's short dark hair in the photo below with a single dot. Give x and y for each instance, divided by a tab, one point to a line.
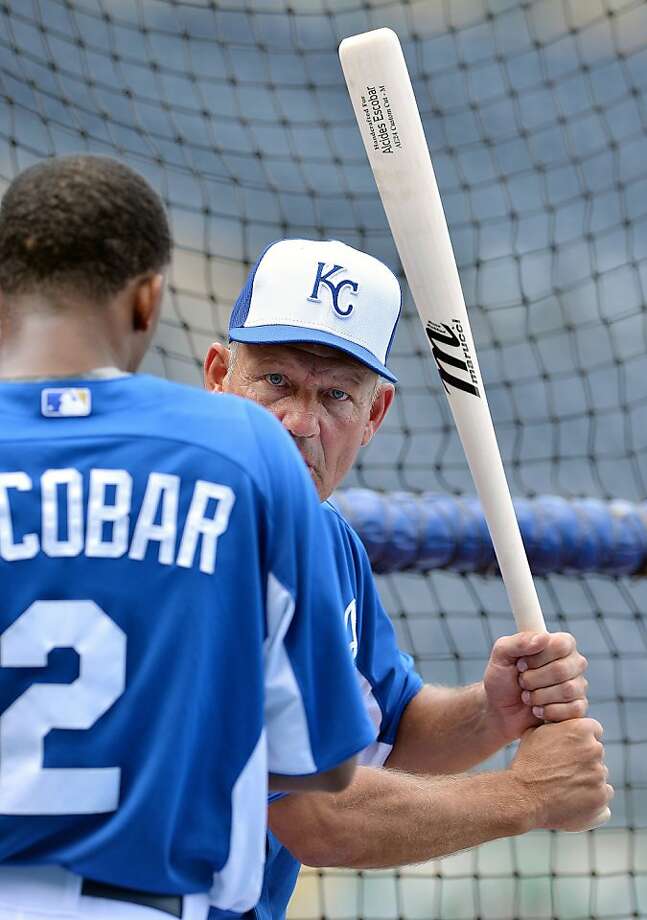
80	224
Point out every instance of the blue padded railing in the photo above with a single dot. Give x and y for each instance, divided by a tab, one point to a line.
407	532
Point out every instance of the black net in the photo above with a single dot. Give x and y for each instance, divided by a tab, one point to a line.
237	112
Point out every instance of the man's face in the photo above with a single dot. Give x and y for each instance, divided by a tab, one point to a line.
330	404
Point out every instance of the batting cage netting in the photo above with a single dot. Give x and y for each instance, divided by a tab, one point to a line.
536	114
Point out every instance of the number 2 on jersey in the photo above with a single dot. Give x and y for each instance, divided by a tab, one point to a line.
27	787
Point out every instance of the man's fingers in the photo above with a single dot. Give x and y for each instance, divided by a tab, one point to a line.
508	649
586	727
598	731
566	692
556	672
561	712
559	645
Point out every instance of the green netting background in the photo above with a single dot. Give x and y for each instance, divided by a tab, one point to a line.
536	113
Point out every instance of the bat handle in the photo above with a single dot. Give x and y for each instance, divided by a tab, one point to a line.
531	623
600	819
528	617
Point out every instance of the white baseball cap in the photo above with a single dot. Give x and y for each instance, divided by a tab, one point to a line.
323	292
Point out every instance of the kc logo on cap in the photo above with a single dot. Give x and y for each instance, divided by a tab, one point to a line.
323	277
324	292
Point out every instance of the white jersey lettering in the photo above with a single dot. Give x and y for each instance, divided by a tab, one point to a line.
52	483
115	513
104	530
9	549
161	499
198	522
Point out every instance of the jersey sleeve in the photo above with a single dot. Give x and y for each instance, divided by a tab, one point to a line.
314	713
388	675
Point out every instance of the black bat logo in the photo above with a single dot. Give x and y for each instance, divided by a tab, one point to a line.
445	335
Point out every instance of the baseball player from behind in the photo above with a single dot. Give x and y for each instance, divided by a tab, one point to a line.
310	334
168	631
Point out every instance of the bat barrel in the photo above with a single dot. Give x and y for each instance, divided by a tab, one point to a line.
390	125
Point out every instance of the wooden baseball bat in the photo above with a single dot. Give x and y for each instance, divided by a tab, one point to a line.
389	122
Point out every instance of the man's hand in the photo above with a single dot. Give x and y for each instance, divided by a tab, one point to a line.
561	773
532	677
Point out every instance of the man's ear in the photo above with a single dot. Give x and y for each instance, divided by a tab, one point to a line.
147	302
215	367
380	406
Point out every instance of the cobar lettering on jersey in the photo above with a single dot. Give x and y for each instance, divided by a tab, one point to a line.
105	530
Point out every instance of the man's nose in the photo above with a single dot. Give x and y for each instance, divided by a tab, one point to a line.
301	419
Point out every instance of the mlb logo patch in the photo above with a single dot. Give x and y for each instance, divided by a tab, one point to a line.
65	402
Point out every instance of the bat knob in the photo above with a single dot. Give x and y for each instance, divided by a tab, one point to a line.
600	819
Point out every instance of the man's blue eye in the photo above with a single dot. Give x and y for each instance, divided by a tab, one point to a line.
339	395
275	379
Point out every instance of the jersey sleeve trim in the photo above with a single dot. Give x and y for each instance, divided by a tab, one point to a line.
391	712
238	885
389	690
289	750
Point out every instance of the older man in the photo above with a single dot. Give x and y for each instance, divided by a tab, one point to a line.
309	337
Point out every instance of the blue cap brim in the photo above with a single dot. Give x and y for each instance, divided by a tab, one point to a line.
284	335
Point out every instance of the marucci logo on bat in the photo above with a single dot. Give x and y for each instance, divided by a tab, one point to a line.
441	333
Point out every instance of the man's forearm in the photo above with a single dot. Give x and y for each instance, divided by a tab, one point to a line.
387	818
445	730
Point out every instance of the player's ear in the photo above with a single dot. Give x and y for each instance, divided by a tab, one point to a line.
216	365
379	407
147	302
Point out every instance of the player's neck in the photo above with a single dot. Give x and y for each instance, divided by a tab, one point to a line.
51	345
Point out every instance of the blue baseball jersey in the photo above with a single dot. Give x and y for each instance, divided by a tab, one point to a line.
171	629
386	676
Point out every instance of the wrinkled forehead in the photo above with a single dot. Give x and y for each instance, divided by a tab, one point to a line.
309	358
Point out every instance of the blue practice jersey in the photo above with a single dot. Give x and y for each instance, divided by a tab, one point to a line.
387	679
171	629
